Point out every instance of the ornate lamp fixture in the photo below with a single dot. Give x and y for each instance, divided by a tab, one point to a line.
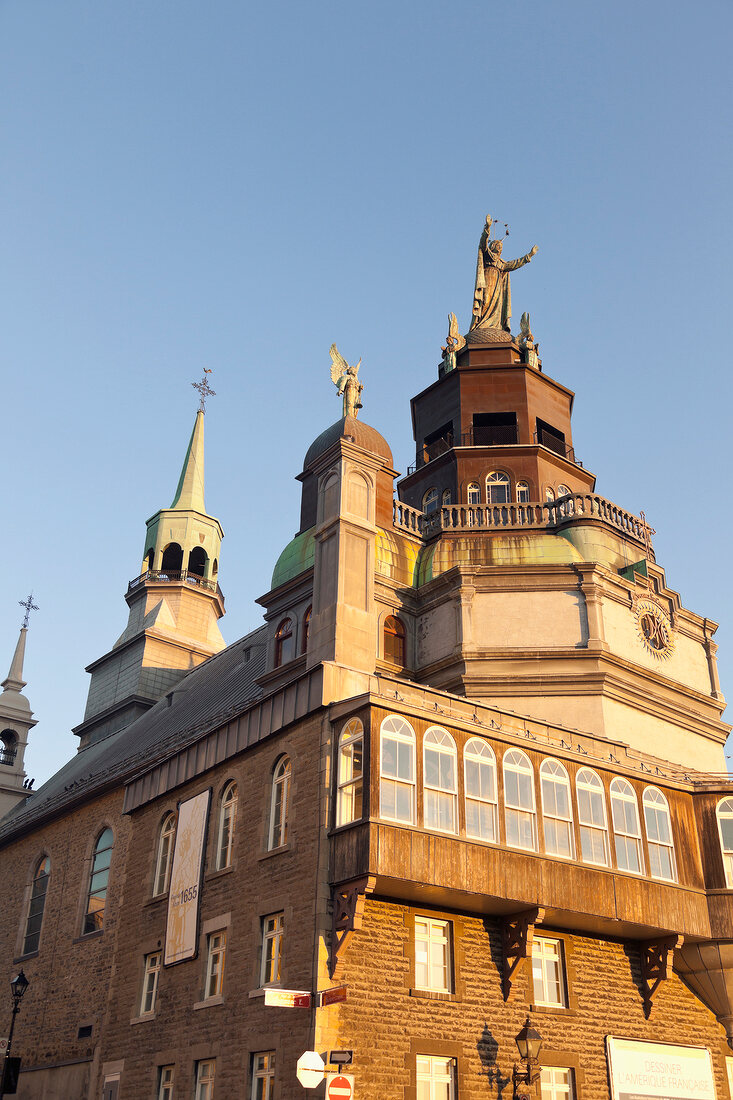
529	1042
18	986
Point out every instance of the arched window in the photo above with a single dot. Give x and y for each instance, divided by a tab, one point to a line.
447	498
563	491
479	765
519	807
227	826
197	561
98	882
8	747
440	783
522	492
659	835
215	567
557	811
36	906
306	630
592	818
397	771
284	643
474	493
350	795
430	501
279	804
549	494
498	488
163	863
724	814
394	640
172	558
626	828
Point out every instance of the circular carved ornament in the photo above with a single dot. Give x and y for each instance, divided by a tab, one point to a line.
654	627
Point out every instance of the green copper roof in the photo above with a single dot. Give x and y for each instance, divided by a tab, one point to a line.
296	558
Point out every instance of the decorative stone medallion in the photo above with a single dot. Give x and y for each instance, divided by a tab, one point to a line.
654	627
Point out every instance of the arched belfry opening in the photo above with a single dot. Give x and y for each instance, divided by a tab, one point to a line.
197	561
8	747
148	561
172	558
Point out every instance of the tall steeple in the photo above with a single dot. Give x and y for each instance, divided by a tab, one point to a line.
16	720
175	604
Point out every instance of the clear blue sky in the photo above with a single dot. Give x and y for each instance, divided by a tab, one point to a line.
236	186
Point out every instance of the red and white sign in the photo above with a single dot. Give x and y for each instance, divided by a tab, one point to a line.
332	996
339	1086
288	998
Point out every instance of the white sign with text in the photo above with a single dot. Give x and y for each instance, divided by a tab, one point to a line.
658	1071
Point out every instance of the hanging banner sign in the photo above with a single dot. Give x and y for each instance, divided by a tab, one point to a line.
658	1071
185	889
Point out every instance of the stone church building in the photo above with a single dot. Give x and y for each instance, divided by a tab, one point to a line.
469	770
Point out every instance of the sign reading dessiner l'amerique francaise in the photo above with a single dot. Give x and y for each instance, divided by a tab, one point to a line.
183	898
658	1071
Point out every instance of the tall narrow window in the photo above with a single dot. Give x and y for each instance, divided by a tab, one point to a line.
440	793
349	800
98	882
263	1075
430	501
522	492
474	493
557	813
279	804
284	643
215	955
433	967
164	861
306	630
479	765
549	494
435	1077
36	906
150	983
592	818
519	807
724	814
227	827
626	828
394	640
165	1082
397	771
205	1072
659	835
272	938
498	489
548	972
556	1083
447	498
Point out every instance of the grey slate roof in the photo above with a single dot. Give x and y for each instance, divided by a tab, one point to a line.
204	699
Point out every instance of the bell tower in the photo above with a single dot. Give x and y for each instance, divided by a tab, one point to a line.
16	721
175	604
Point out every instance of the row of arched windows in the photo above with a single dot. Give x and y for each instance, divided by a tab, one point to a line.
498	490
513	819
285	639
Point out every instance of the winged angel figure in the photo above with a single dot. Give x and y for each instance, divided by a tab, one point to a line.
453	344
346	381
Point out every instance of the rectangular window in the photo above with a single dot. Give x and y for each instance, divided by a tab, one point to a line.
205	1080
433	968
217	943
150	983
436	1078
165	1083
556	1083
397	779
548	976
263	1076
272	935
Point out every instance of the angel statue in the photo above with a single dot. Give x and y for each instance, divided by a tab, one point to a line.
453	344
346	381
492	298
527	343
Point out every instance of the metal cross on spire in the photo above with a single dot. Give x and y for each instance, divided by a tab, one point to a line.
204	389
29	606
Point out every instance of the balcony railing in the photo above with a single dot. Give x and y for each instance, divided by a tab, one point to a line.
555	443
7	756
533	516
489	435
163	576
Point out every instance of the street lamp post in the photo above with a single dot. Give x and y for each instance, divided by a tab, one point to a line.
18	986
528	1043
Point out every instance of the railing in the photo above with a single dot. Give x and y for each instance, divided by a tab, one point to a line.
545	515
163	576
7	756
489	435
555	443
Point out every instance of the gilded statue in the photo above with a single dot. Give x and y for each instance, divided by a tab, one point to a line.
492	299
345	379
453	344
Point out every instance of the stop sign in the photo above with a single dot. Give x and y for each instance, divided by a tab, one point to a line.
340	1087
310	1069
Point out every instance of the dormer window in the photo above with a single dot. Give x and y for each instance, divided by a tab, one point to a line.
284	643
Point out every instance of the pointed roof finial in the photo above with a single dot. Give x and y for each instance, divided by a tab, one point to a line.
29	606
204	389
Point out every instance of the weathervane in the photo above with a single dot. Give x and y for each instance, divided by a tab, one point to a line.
29	606
204	389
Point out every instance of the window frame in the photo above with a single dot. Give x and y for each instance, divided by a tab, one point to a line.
265	1074
473	489
350	787
493	480
227	821
559	778
521	489
166	1081
96	917
446	499
204	1086
655	845
442	940
271	956
285	633
433	1078
152	965
445	747
620	835
306	629
282	778
164	857
559	980
726	853
468	755
592	827
555	1091
34	912
510	808
431	500
396	652
216	950
399	737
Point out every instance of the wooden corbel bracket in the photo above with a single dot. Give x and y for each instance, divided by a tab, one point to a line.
655	965
348	909
517	931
